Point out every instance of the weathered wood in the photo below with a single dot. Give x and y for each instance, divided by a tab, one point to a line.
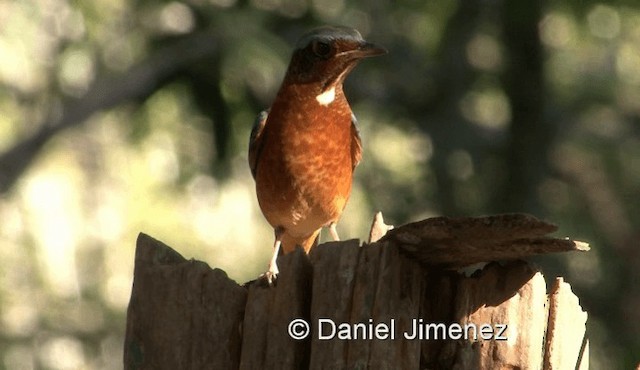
513	298
255	326
398	297
182	314
458	242
378	228
437	302
269	312
362	302
566	345
334	274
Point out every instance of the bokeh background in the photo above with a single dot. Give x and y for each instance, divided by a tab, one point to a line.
122	116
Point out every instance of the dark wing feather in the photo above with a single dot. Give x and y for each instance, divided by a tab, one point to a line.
255	140
356	143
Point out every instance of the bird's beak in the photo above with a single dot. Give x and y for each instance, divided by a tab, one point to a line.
364	50
368	49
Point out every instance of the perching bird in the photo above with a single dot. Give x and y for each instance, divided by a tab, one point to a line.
303	150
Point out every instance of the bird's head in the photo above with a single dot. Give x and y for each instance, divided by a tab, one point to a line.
325	55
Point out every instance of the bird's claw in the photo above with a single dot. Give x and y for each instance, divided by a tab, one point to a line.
271	275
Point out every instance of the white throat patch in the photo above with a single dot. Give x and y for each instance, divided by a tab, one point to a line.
327	96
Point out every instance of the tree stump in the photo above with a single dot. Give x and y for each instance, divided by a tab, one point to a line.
395	303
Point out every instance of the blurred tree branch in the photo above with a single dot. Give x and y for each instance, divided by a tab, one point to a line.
454	80
107	92
531	135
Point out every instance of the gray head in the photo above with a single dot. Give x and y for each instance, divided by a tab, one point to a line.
328	34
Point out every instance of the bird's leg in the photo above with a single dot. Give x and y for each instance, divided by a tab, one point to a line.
333	231
272	271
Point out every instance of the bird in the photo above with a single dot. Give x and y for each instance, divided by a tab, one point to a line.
304	149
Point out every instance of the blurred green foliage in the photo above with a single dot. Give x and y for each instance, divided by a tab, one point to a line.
124	116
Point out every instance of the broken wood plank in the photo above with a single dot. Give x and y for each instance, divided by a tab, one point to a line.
458	242
510	302
362	303
334	267
269	312
378	228
175	319
566	344
182	314
398	298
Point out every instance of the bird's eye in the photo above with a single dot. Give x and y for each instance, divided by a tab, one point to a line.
321	49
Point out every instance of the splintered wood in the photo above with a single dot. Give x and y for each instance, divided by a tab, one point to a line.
390	304
182	314
567	345
459	242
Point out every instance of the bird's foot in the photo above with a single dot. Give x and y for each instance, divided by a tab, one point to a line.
272	274
272	271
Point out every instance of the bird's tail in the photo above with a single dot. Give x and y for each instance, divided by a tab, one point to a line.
289	243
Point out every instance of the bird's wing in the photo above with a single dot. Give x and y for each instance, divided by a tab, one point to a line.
255	140
356	143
